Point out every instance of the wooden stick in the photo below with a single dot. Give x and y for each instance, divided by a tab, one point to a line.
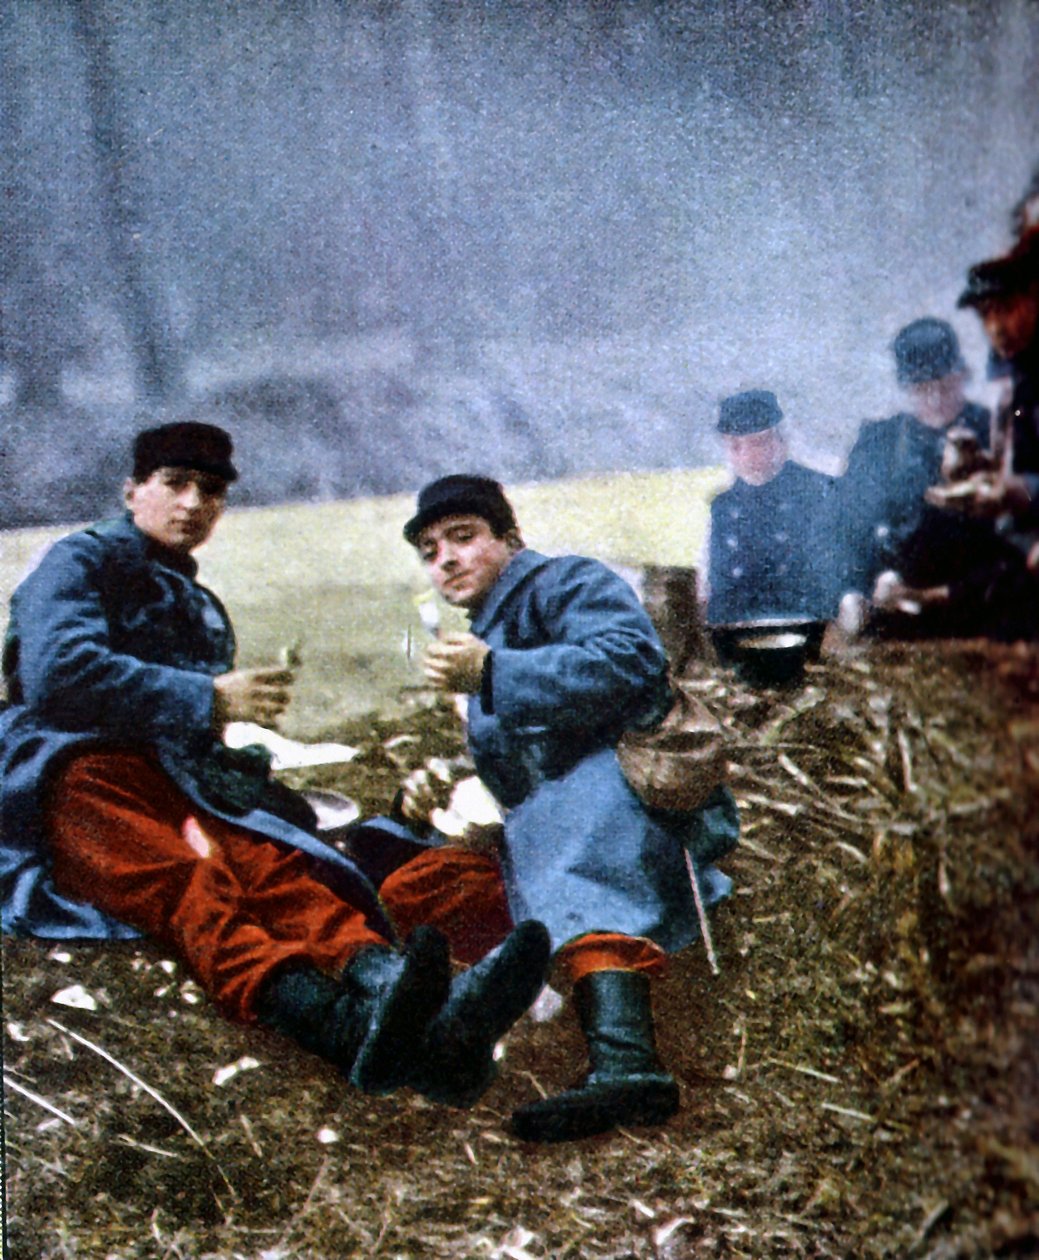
701	913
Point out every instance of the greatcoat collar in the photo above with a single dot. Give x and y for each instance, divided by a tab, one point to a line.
522	564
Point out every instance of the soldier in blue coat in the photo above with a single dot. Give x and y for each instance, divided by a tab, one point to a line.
954	575
561	659
895	460
1005	293
123	812
772	549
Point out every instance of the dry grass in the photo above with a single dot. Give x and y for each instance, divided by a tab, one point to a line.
860	1080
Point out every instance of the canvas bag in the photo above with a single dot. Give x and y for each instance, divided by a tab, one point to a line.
679	763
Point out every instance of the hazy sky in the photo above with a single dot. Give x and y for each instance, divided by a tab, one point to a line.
619	212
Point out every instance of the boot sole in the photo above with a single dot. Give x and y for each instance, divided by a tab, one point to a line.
385	1060
582	1113
513	984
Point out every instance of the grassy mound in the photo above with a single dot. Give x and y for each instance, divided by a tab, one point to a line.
860	1080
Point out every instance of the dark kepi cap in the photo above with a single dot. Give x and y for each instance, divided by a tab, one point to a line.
457	495
753	411
184	444
926	350
997	278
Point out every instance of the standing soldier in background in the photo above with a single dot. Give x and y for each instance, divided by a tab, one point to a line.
894	461
927	570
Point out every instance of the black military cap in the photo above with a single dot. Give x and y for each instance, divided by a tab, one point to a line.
461	495
926	350
753	411
996	278
184	444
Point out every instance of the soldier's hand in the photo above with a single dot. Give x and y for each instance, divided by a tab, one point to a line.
992	496
251	695
423	792
455	663
889	591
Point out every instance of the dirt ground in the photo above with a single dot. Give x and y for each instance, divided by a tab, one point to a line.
860	1080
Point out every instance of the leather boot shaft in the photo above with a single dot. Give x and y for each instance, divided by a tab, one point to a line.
297	1002
372	1021
615	1013
457	1060
626	1083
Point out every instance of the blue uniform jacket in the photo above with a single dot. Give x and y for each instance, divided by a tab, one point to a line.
890	466
773	549
574	662
112	643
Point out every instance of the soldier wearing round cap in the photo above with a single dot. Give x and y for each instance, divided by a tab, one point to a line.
896	460
123	812
560	660
771	550
1005	293
929	571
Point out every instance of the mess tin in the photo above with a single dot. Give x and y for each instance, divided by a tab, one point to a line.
769	651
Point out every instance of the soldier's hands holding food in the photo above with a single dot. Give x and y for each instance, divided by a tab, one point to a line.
455	663
252	695
984	495
426	790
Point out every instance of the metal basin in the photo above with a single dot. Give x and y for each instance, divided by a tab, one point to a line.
770	652
772	660
728	637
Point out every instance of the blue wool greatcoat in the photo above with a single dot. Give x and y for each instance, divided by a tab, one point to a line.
773	550
893	462
112	643
574	662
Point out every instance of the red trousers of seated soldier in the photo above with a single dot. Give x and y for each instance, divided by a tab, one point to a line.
236	907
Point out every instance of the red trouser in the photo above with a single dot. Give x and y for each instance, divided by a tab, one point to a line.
461	893
232	904
236	906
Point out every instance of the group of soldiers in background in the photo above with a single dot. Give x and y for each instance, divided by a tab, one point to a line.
933	528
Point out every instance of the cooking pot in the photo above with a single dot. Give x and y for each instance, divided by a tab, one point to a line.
769	651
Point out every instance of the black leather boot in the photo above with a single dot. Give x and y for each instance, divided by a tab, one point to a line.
371	1022
457	1060
626	1082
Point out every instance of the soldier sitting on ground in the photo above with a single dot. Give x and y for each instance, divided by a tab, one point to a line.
560	661
124	813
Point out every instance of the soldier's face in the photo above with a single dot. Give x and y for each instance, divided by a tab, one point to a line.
178	507
755	457
464	558
937	403
1010	322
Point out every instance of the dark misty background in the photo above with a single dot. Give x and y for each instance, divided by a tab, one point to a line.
383	240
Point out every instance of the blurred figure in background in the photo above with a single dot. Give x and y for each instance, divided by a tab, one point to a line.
1005	293
771	551
926	570
894	461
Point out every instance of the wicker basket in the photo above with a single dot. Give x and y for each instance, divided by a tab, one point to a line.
678	764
